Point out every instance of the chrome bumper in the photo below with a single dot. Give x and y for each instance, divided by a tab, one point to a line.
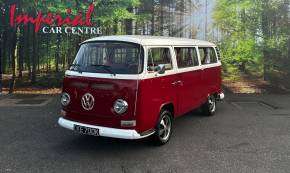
104	131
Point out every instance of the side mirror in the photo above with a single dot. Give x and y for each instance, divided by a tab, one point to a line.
161	69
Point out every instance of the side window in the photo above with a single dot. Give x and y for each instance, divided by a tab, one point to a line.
158	56
186	57
207	55
218	53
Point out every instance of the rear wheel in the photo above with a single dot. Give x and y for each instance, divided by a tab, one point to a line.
209	107
163	128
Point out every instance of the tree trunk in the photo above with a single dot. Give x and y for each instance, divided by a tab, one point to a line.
47	53
28	51
13	60
69	51
57	53
129	24
1	50
266	36
190	19
1	57
64	56
3	21
161	32
20	52
171	16
153	18
206	15
34	49
115	26
37	52
4	52
180	27
143	27
288	69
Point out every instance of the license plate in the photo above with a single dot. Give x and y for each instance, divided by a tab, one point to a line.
86	130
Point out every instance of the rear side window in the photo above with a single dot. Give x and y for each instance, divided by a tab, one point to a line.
218	53
186	57
158	56
207	55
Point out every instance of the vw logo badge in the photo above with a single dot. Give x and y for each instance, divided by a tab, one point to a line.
88	101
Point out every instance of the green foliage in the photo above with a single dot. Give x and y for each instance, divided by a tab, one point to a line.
255	35
241	51
239	45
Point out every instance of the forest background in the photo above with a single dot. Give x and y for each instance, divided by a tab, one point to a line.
253	35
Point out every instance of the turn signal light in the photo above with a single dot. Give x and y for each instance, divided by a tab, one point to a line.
131	123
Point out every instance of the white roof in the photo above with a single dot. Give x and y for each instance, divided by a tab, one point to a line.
152	40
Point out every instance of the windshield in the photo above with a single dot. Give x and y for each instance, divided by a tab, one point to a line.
109	57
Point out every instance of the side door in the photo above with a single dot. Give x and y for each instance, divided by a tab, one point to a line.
189	78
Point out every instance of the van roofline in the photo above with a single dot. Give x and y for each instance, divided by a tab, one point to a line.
152	40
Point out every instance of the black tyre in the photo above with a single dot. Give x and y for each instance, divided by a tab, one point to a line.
209	107
163	129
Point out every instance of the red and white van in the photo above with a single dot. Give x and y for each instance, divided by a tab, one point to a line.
132	87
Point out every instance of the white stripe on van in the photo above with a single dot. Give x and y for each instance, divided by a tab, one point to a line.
144	75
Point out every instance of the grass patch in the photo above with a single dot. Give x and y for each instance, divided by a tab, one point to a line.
43	80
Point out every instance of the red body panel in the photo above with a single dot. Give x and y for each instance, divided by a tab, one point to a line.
211	80
105	92
156	92
191	92
152	94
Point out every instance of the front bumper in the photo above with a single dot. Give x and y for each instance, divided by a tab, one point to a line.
104	131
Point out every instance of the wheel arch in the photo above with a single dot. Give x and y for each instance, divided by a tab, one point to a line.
168	106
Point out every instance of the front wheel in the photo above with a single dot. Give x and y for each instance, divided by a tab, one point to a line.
163	128
209	107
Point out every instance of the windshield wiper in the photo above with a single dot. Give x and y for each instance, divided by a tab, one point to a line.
105	67
77	67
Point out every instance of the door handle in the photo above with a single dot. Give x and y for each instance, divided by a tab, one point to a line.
174	83
180	83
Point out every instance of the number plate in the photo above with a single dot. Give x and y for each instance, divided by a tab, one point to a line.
86	130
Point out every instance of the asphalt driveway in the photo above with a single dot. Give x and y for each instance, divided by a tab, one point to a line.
249	133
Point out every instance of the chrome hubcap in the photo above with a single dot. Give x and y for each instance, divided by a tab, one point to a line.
165	128
211	102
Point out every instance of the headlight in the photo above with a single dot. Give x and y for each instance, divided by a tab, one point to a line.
65	99
120	106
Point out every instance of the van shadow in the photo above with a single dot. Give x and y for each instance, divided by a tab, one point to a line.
76	144
85	143
189	120
102	145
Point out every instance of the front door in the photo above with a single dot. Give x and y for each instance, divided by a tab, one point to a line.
157	89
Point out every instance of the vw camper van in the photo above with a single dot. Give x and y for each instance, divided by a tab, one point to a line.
133	87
